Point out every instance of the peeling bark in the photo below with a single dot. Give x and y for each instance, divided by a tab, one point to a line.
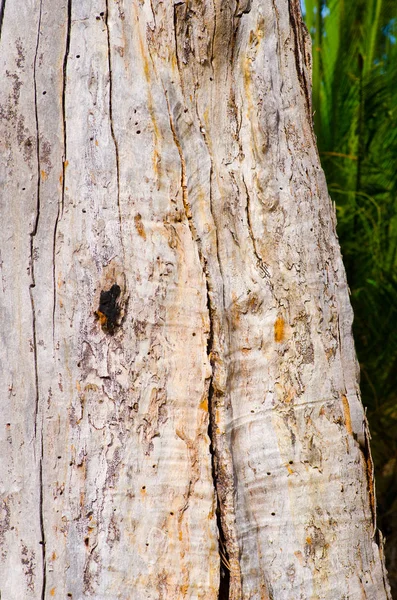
180	389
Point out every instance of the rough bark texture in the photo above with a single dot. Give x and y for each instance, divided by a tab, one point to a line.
169	273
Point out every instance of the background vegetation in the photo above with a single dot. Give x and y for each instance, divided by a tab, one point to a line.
355	104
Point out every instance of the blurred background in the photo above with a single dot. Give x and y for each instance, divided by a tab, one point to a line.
355	119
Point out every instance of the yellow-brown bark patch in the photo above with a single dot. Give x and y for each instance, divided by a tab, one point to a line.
279	330
346	412
139	226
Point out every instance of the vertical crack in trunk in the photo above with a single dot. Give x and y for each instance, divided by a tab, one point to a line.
64	82
224	574
2	10
32	285
35	225
222	463
260	263
116	146
302	55
222	467
42	531
64	163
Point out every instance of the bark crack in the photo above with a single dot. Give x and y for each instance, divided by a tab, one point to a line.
218	401
64	160
243	7
225	568
64	82
302	57
2	10
35	225
42	530
116	146
32	285
185	201
260	263
230	586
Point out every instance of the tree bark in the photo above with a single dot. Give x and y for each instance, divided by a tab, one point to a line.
179	382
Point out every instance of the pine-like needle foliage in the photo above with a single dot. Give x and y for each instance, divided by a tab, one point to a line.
355	103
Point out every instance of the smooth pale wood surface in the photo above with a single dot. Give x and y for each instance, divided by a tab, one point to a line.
167	147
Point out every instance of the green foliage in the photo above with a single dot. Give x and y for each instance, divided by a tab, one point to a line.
355	103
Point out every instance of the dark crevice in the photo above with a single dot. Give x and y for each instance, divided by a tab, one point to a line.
213	40
42	531
116	147
64	68
261	265
297	27
35	226
224	583
36	222
2	9
178	62
220	475
64	163
249	224
224	571
243	7
32	285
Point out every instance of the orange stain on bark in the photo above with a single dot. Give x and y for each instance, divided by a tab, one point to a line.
346	412
204	404
139	226
279	330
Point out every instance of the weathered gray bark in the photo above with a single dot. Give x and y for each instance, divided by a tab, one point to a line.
167	148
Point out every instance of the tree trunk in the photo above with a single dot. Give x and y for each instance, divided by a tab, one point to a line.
179	383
